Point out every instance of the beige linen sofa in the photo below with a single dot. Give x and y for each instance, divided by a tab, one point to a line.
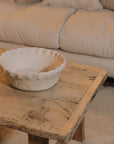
82	36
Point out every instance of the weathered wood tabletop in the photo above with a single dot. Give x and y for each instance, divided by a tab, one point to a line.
54	113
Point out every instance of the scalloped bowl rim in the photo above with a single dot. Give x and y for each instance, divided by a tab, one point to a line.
33	76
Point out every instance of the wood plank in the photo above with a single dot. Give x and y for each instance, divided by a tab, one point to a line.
68	131
55	113
37	140
23	114
80	132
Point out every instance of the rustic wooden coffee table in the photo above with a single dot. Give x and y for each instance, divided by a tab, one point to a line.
57	113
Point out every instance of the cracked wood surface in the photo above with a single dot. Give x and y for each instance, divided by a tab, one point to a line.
54	113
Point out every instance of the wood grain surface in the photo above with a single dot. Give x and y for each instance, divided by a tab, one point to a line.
37	140
54	113
80	132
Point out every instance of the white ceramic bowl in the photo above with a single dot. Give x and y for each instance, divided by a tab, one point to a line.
32	69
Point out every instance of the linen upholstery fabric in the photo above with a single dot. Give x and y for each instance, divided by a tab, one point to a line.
34	25
6	8
104	63
108	4
20	2
76	4
90	33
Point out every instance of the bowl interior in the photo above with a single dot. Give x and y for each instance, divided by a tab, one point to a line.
31	61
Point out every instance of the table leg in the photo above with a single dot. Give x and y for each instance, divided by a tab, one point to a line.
80	132
37	140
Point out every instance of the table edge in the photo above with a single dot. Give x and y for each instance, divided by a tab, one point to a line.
69	129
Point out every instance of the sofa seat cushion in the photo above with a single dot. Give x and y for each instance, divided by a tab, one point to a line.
21	2
104	63
34	25
76	4
90	33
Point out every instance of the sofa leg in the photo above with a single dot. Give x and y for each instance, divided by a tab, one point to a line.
80	132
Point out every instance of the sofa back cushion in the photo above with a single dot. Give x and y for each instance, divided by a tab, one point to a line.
90	33
34	25
108	4
20	2
77	4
